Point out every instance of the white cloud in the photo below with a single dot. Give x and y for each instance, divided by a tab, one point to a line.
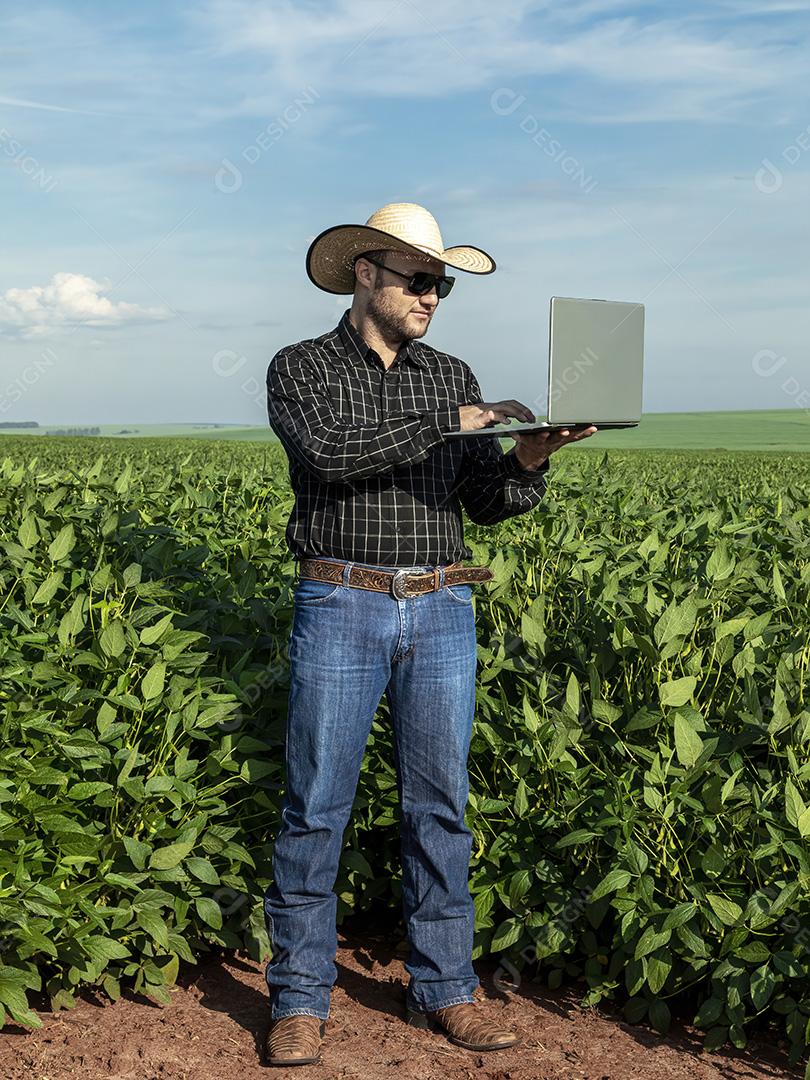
68	301
25	104
698	67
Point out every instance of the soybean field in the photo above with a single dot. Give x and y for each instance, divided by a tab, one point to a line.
640	783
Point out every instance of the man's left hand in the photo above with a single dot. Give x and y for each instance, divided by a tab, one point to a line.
532	448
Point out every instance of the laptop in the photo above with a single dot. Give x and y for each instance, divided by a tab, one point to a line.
595	368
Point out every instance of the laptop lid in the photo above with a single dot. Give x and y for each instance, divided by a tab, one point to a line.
596	361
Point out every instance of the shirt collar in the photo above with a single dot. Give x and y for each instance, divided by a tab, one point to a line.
356	344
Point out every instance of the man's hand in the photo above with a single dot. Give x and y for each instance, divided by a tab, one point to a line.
495	412
533	447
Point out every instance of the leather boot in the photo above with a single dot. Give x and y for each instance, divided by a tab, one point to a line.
465	1026
294	1040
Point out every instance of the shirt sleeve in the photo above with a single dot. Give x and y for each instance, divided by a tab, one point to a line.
300	412
494	485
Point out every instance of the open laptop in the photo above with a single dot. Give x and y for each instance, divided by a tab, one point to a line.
595	368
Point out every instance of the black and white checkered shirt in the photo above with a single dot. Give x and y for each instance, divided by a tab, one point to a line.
375	480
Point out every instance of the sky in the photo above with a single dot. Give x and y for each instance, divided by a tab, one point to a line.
165	166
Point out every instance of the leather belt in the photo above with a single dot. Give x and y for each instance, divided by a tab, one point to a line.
400	583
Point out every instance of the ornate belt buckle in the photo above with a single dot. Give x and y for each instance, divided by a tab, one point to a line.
398	579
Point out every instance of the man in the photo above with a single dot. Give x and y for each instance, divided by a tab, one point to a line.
383	604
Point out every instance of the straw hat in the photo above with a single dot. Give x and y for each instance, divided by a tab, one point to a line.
396	226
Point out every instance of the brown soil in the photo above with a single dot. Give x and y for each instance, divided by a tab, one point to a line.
216	1024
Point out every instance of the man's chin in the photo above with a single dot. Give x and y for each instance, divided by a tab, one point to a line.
419	323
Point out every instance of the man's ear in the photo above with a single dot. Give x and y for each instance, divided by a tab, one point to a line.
364	273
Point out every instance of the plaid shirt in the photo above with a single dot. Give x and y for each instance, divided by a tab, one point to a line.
375	480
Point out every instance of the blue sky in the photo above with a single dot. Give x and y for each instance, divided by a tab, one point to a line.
163	168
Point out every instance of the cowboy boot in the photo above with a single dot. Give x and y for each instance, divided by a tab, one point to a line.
294	1040
464	1026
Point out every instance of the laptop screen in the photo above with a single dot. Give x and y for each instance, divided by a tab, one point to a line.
596	360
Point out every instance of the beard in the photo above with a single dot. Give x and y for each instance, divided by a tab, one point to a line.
391	323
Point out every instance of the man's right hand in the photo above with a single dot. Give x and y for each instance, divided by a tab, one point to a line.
486	413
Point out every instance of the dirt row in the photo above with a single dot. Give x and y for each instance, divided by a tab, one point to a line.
215	1027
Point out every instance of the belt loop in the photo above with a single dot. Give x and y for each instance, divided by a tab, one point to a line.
347	569
440	572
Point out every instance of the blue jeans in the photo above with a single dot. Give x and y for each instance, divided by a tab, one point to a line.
347	647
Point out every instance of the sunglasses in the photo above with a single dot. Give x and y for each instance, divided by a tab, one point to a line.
421	282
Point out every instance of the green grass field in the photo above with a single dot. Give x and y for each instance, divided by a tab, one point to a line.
137	431
773	429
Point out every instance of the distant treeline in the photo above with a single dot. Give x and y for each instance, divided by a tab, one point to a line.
25	423
74	431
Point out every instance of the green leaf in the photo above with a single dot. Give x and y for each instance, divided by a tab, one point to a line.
507	933
112	639
73	620
356	861
716	1038
209	911
778	584
676	621
48	589
123	481
28	534
720	563
726	910
483	902
132	575
615	879
728	788
128	765
709	1012
794	804
519	885
694	942
491	806
202	870
154	924
763	984
660	1016
635	1009
88	789
659	965
62	544
103	949
679	915
13	984
152	634
169	968
521	803
153	681
651	940
254	769
755	952
688	744
532	629
572	696
677	691
165	858
578	836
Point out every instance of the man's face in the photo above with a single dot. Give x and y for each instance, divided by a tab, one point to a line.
398	312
